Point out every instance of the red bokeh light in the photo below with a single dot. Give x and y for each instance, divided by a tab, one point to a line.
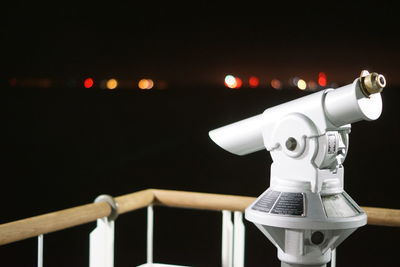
239	83
322	79
88	83
254	82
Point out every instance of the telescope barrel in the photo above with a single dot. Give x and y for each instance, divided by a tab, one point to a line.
328	110
349	104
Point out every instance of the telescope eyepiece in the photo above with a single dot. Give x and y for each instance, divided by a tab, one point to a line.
371	83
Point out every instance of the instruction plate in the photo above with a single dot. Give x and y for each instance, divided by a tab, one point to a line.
282	203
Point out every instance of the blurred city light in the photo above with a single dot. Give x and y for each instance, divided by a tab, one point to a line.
293	81
301	84
88	83
230	81
312	85
145	84
112	84
239	83
322	79
276	84
44	83
35	83
254	82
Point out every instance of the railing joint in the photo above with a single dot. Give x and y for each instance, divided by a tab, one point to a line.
113	204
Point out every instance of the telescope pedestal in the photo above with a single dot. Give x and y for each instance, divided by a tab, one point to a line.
305	226
296	265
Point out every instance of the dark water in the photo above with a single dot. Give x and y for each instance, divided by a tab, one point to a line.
63	147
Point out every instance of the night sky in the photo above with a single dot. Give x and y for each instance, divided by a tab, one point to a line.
65	145
201	42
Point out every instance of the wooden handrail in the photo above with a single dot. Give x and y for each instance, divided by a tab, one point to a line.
59	220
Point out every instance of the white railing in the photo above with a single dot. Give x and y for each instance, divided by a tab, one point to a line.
106	209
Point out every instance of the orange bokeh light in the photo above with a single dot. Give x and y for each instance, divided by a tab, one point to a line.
146	84
276	84
112	84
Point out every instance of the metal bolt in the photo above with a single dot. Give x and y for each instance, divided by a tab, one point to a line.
291	144
317	238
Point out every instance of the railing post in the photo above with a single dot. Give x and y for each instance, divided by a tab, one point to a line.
102	244
150	227
333	260
238	240
233	239
40	251
227	239
101	252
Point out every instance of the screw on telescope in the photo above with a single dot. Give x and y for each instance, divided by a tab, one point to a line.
291	143
371	83
317	237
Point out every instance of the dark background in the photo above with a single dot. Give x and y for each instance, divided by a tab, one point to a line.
63	145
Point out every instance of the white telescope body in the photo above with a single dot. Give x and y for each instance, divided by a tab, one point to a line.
305	212
329	109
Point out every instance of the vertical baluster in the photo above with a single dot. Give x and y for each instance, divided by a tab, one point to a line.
102	244
333	261
239	240
40	251
227	239
101	252
150	228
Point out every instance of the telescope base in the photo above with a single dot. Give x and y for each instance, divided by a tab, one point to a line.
284	264
305	226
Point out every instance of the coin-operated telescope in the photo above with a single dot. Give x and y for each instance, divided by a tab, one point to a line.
305	212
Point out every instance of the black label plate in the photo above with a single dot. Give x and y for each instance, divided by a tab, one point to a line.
282	203
267	201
